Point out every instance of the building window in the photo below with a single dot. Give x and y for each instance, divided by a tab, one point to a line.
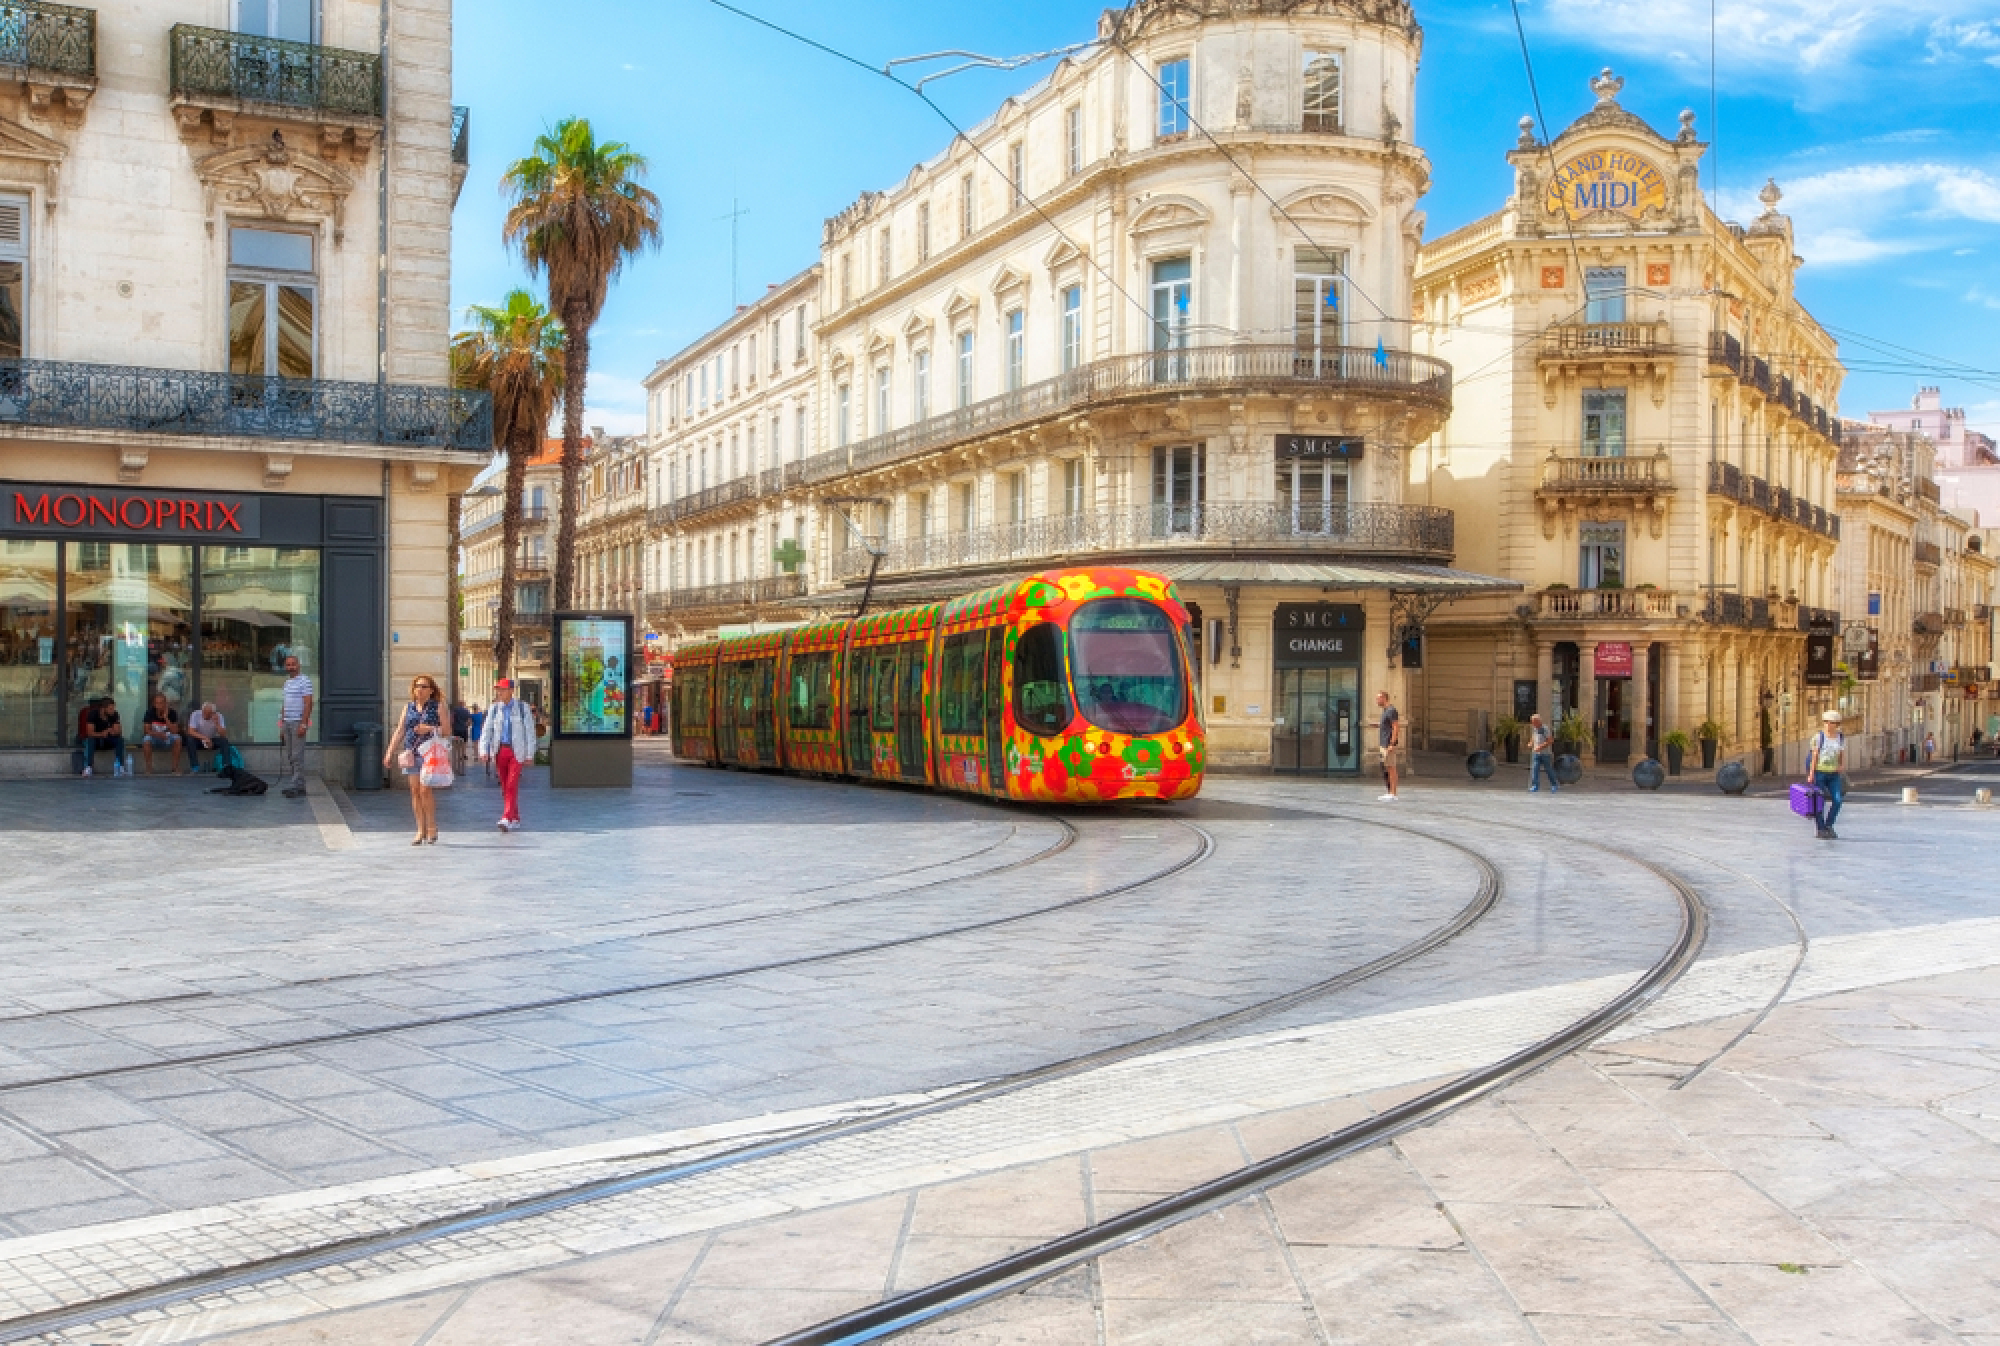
799	333
1604	423
1072	328
965	369
920	510
1312	494
13	277
1322	92
777	362
1601	558
1178	487
735	454
884	260
799	433
1016	355
920	392
965	499
846	279
1173	81
1075	472
1017	497
1017	172
924	232
1173	297
750	359
289	20
1316	303
882	400
842	416
1073	137
777	439
750	449
1604	294
272	296
968	214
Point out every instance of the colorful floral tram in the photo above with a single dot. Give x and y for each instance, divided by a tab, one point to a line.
1071	686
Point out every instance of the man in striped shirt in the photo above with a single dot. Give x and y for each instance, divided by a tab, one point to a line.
294	723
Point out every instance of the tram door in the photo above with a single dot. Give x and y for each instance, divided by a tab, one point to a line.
728	712
996	702
764	711
1318	727
910	741
854	695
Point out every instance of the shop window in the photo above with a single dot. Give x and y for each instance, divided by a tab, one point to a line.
1601	562
1041	684
254	613
13	277
1604	423
1604	294
30	663
1321	109
272	301
1174	87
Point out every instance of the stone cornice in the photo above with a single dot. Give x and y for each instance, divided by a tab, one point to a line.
1145	18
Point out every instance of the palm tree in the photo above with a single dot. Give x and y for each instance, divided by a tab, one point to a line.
577	214
513	352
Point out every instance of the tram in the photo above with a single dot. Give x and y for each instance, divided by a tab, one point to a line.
1069	686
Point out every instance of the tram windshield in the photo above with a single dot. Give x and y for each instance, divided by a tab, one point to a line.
1125	655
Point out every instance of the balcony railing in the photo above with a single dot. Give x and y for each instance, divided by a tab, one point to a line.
1754	614
461	134
738	593
1579	604
1583	341
1823	617
1647	473
1402	530
1928	490
1725	479
193	402
1348	369
1926	553
1921	683
1928	624
51	39
208	63
1954	617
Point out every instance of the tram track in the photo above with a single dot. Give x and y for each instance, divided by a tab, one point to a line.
1019	1271
1064	840
1487	894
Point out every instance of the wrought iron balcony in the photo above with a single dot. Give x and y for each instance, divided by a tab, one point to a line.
1927	489
752	486
1607	341
1360	530
1750	614
1725	479
1756	493
1631	604
1726	352
1640	474
1822	617
192	402
1954	617
45	40
1350	370
1928	624
1926	553
208	63
737	594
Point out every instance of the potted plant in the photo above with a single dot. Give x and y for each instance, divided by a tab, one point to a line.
1676	742
1571	732
1711	733
1507	736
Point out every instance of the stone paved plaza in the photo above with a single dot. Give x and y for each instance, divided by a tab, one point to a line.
234	1030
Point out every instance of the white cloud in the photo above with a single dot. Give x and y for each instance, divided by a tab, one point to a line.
1979	294
1978	41
1864	212
1783	37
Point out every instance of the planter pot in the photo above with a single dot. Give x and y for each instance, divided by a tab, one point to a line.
1708	746
1512	748
1674	758
1569	769
1649	775
1566	747
1733	779
1479	765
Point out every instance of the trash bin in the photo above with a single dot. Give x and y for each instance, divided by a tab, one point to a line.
368	757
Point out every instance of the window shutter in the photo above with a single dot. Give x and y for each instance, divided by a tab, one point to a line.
13	225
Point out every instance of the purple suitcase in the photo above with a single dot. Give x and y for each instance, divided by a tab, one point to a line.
1805	800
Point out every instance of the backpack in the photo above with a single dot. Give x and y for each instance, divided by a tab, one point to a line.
227	757
241	782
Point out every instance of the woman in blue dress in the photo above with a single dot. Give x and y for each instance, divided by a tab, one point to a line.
423	719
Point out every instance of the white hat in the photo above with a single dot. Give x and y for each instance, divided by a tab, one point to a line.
1831	717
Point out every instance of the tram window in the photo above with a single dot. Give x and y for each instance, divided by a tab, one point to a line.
1126	658
1041	692
746	695
885	691
692	691
964	699
812	691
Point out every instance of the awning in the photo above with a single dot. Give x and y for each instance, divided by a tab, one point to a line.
1330	575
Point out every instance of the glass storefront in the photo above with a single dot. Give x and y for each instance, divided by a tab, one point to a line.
81	620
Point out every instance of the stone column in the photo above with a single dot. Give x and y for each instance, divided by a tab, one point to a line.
1239	230
1641	666
1670	687
1545	680
1586	690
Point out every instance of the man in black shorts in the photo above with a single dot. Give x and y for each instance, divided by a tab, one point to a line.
1388	736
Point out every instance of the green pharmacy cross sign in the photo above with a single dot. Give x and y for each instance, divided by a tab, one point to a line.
788	555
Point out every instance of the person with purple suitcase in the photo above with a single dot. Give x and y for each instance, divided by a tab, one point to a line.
1826	776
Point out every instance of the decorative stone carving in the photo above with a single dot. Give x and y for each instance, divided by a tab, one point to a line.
132	463
27	157
60	104
280	182
277	470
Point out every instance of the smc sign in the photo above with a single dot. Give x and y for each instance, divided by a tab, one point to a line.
56	511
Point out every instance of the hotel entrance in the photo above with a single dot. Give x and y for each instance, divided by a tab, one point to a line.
1316	724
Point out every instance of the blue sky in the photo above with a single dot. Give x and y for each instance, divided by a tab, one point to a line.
1876	119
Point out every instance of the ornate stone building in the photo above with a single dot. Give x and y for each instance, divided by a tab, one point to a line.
1152	311
480	531
611	524
226	434
1647	442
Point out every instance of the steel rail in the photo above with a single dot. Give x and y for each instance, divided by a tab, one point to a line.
1033	1265
1485	897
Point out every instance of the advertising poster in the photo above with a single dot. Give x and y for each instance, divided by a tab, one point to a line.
593	676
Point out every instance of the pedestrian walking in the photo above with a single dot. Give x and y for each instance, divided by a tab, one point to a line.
507	741
1388	736
295	715
1827	774
461	736
1541	755
424	719
478	730
1930	745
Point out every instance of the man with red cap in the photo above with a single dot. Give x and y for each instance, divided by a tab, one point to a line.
508	740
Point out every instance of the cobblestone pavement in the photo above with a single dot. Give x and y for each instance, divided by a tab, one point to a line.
158	924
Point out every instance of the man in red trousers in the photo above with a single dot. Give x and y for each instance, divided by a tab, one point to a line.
508	740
